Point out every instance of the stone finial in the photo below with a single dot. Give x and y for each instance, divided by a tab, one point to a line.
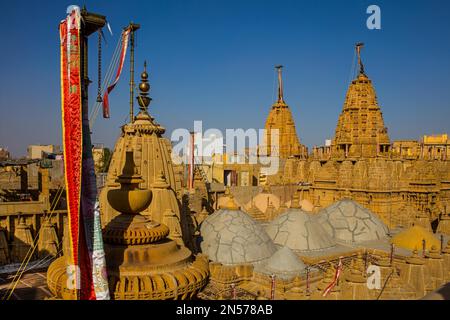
144	88
415	258
230	204
171	220
129	179
434	253
129	199
160	181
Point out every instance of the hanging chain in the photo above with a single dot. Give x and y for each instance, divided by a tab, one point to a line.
99	61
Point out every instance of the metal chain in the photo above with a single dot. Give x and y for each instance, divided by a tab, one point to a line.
99	61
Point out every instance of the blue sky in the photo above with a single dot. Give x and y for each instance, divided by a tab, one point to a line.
213	61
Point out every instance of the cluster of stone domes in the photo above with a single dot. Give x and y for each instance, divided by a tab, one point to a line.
231	236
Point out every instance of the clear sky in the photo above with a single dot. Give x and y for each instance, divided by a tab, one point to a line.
213	61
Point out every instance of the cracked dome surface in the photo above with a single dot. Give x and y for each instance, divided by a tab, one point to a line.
299	231
233	237
350	222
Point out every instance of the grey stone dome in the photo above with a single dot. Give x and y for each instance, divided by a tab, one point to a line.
233	237
283	264
350	222
299	231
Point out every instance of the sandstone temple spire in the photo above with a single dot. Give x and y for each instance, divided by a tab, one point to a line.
280	118
154	163
360	131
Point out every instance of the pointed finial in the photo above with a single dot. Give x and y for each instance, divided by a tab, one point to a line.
230	204
144	88
160	181
359	46
129	179
280	84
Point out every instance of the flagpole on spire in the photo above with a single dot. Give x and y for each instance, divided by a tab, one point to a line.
280	84
133	27
359	46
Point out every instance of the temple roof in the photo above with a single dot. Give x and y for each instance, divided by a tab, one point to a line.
412	239
233	237
299	231
349	222
283	264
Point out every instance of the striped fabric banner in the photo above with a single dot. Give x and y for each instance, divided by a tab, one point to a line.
335	279
87	268
123	53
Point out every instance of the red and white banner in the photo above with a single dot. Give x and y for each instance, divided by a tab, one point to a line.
86	270
123	53
72	133
335	279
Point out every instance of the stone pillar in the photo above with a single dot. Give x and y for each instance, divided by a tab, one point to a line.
23	179
44	185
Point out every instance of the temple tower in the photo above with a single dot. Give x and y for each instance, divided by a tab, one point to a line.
360	131
153	161
280	117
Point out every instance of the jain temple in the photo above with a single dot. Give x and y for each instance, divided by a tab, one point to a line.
362	217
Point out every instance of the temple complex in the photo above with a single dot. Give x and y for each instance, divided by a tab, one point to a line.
402	182
360	218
